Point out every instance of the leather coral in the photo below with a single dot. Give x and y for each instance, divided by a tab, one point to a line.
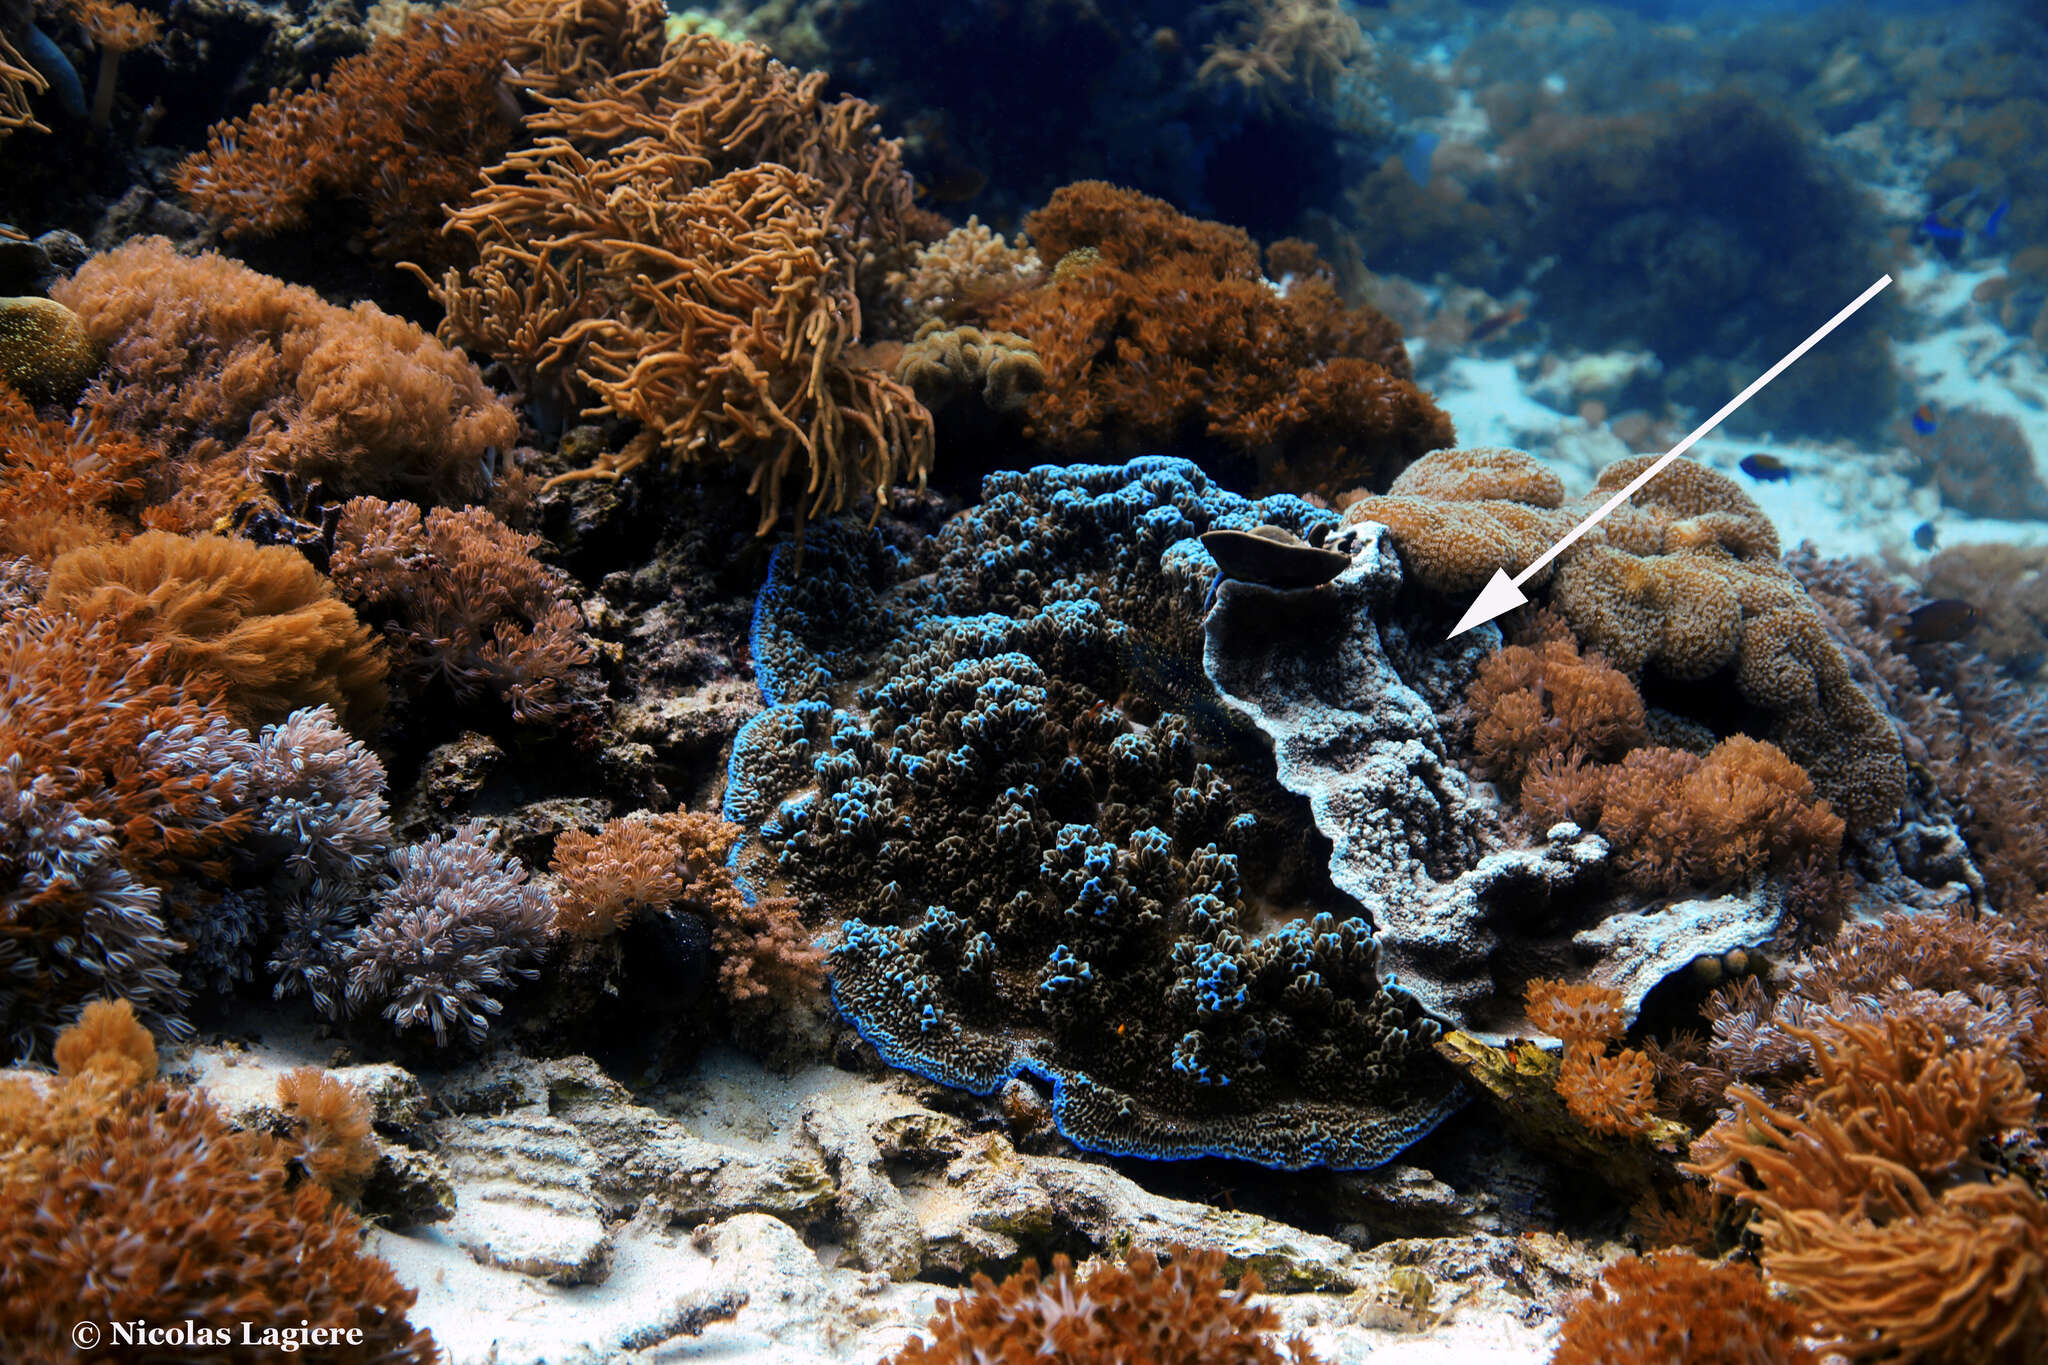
682	245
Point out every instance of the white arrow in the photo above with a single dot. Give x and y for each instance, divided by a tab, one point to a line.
1503	594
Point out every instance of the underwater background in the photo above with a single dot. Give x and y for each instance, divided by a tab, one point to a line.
792	681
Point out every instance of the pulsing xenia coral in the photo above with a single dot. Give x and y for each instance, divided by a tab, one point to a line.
319	798
457	927
1029	877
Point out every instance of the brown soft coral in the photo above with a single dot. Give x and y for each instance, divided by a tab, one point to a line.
1544	701
122	1201
331	1127
1676	1309
58	482
1683	582
1875	1204
237	373
1157	331
766	959
1180	1312
463	596
1581	1013
258	621
708	221
401	131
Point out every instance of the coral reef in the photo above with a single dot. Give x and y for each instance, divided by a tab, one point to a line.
237	373
1983	464
256	622
122	1199
1182	1312
1168	338
1683	583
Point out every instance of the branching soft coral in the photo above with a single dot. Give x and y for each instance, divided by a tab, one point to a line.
331	1127
237	373
122	1201
453	932
706	221
466	601
1167	337
1676	1309
319	799
1544	701
766	959
1674	819
259	622
402	130
1875	1204
1181	1313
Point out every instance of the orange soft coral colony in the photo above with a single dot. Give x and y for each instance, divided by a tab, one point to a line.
257	621
1683	582
1158	332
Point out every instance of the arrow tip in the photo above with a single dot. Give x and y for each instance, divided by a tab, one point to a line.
1497	598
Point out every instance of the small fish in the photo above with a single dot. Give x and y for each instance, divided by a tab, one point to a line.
1938	230
1946	224
1486	329
1923	536
955	185
1923	419
1996	220
1942	621
1765	468
1417	156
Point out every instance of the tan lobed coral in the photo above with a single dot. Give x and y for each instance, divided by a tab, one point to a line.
257	621
236	373
1682	581
942	363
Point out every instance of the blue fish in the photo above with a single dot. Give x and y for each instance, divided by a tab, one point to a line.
1940	231
1765	468
1416	157
1996	220
1923	419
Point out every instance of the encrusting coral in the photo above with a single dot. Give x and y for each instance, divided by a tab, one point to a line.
1168	338
1180	1313
124	1199
237	373
1682	582
258	622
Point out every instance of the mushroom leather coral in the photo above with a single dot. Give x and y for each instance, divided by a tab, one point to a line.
1683	582
258	621
121	1200
1169	338
1177	1314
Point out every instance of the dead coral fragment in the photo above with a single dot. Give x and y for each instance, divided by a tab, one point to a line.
258	621
1181	1312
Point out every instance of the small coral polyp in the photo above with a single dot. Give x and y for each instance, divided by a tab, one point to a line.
1053	850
